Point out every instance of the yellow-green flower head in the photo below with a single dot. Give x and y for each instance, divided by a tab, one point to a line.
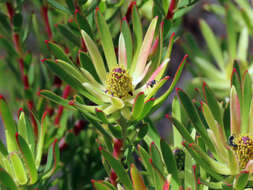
119	83
243	147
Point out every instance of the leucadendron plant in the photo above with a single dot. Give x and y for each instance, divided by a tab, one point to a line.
122	84
20	159
223	147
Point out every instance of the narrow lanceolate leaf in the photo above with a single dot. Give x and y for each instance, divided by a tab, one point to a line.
145	49
246	101
28	158
119	169
137	180
52	160
9	125
68	68
231	32
128	41
67	77
22	125
242	50
212	43
218	131
176	113
18	168
42	132
55	98
156	157
169	160
235	113
194	116
137	28
138	105
106	40
212	103
161	99
6	180
181	129
95	56
58	52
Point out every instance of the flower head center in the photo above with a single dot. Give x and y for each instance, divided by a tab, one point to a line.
119	83
243	149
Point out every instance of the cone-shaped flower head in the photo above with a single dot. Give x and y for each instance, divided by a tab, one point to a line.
229	135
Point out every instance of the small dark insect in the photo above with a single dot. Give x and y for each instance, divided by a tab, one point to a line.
231	141
130	93
151	83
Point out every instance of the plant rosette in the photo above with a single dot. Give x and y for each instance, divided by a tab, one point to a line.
121	84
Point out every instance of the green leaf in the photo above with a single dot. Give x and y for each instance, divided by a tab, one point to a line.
119	169
99	185
138	105
242	180
145	160
212	104
147	108
71	70
96	57
101	115
177	75
138	182
55	98
18	168
53	159
195	118
3	150
6	180
69	35
58	6
128	42
84	24
231	32
28	158
176	113
137	28
9	124
212	44
246	101
182	130
242	50
169	160
88	65
72	81
156	157
106	40
40	145
58	52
